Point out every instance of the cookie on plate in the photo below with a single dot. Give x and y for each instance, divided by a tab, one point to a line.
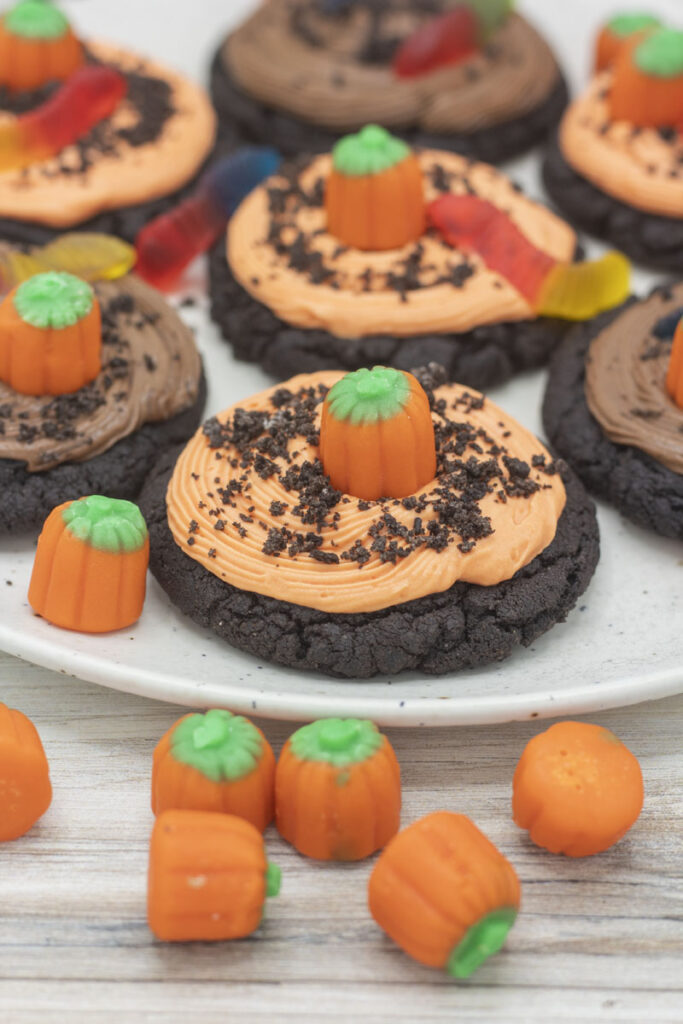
616	167
477	78
485	546
95	382
614	409
114	140
376	254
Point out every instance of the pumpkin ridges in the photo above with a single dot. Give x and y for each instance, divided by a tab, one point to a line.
428	889
42	570
389	811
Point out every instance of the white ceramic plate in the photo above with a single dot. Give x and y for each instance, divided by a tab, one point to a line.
620	646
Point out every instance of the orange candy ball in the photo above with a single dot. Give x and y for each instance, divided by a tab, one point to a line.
577	789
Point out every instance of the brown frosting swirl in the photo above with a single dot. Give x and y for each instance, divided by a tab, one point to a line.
249	501
292	56
626	370
150	372
280	251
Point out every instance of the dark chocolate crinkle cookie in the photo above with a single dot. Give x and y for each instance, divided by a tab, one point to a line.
645	237
466	627
246	121
481	358
643	490
119	472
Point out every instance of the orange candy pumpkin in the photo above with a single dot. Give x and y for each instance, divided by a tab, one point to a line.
36	46
215	762
377	435
577	789
674	378
374	195
90	567
337	790
50	335
622	30
208	877
444	893
647	87
25	790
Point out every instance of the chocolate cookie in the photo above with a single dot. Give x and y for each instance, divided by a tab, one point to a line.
151	106
104	437
645	237
643	489
244	120
465	627
27	498
481	358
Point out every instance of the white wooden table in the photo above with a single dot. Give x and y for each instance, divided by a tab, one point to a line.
598	940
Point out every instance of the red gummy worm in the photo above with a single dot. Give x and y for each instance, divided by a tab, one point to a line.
467	222
89	96
441	41
168	244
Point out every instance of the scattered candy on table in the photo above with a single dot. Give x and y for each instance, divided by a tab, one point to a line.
444	893
338	790
89	96
208	877
577	789
377	435
37	46
169	243
50	335
215	762
25	790
569	291
374	197
90	567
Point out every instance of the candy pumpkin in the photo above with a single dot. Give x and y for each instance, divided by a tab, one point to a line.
619	32
647	87
444	893
337	790
215	762
208	877
374	195
36	46
50	335
377	435
90	567
577	789
674	378
25	790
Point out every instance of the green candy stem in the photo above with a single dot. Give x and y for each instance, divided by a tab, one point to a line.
222	746
273	880
661	54
36	19
107	524
369	396
483	940
336	741
53	300
371	151
625	25
490	14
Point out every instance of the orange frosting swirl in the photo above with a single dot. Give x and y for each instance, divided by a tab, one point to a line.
641	167
357	297
221	511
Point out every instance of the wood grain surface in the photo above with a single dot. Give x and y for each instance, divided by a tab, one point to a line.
598	940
